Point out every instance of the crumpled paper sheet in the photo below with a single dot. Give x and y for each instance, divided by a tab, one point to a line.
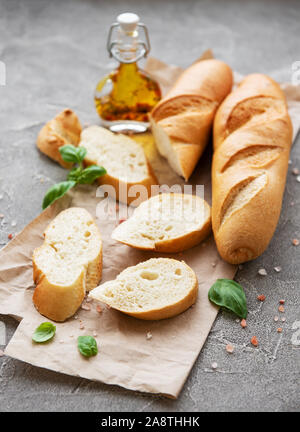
126	357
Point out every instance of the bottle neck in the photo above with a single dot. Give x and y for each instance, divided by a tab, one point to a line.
127	48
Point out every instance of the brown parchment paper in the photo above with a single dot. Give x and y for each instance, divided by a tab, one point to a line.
126	358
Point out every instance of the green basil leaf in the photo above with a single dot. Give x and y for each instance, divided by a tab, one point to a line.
44	332
74	174
73	154
57	191
87	346
229	294
81	153
89	174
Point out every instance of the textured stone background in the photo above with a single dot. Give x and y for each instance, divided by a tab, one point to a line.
54	54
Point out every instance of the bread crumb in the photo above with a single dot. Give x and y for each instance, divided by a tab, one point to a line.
214	365
262	272
86	307
243	323
229	348
278	269
254	341
76	317
276	318
281	308
283	319
261	297
149	336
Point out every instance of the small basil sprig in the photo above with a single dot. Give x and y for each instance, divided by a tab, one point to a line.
229	294
87	346
44	332
73	154
77	175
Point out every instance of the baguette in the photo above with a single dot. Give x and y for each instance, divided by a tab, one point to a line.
252	140
181	122
67	265
123	159
152	290
64	129
169	222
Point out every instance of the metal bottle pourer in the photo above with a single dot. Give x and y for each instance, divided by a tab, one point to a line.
123	42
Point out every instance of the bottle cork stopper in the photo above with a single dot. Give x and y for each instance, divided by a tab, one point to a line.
128	21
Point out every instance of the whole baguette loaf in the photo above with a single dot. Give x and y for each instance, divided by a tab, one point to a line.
67	265
152	290
63	129
182	121
252	140
168	222
124	160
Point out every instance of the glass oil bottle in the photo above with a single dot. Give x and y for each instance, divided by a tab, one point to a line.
124	97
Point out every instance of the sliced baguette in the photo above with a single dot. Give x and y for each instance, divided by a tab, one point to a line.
152	290
181	122
169	222
123	159
64	129
68	264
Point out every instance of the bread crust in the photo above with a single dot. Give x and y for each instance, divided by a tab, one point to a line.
58	302
252	140
63	129
185	115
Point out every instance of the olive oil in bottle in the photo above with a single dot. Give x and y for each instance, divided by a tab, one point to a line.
124	97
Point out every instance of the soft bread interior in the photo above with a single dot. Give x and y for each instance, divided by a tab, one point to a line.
163	218
165	147
72	244
154	289
122	157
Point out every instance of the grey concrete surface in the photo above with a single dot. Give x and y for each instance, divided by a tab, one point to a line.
54	53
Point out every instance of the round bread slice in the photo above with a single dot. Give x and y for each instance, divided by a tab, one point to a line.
152	290
68	264
169	222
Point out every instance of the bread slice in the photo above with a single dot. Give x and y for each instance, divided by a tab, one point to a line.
169	222
123	159
181	122
152	290
64	129
68	264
